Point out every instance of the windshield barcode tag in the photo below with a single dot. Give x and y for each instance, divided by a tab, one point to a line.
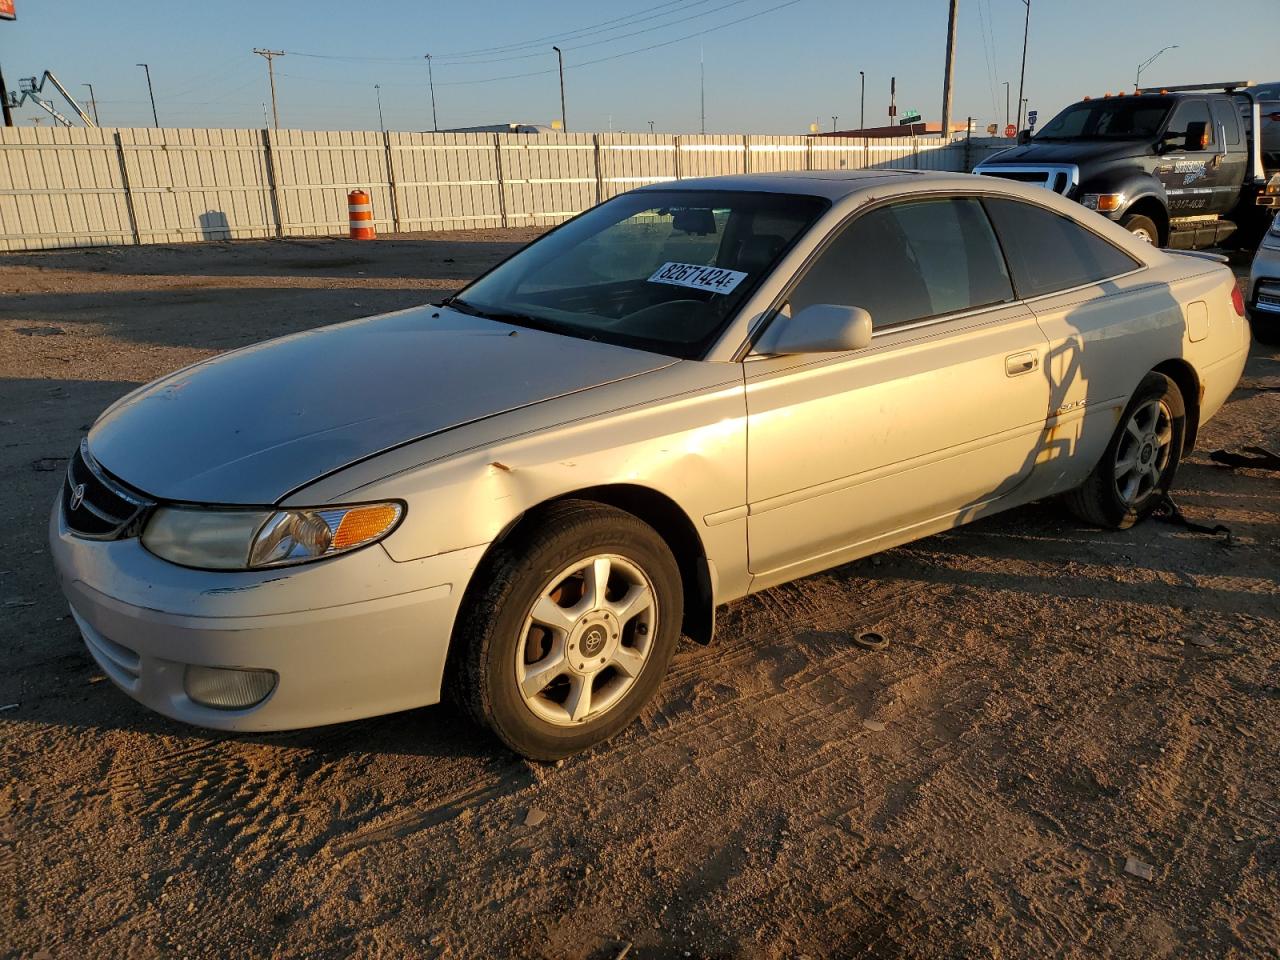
715	279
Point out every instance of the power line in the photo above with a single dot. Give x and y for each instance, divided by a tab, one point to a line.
626	53
596	43
604	26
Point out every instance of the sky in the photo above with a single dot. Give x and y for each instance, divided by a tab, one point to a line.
771	66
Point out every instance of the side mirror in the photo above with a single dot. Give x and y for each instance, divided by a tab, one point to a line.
818	328
1197	135
1024	137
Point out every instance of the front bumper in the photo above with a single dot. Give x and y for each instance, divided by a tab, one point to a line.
1264	285
355	636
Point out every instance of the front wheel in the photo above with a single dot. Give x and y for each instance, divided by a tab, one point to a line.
569	629
1144	228
1139	464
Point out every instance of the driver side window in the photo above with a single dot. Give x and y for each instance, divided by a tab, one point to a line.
910	261
1189	112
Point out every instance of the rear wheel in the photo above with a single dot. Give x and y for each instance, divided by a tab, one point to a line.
570	630
1142	227
1138	467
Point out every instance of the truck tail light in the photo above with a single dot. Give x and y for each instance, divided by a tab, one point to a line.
1237	300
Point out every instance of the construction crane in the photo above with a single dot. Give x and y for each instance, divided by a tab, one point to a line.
32	87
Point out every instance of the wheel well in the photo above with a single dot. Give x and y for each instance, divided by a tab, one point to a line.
1182	373
674	526
1155	211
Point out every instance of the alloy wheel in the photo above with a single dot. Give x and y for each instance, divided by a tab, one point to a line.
1143	452
586	640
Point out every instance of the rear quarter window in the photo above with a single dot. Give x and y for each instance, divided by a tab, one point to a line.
1048	252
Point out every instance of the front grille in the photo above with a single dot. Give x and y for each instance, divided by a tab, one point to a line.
97	507
1060	178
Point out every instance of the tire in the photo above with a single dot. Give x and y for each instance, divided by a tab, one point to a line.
534	634
1265	330
1108	498
1143	227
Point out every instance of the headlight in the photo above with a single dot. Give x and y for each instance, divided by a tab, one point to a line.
250	539
1103	202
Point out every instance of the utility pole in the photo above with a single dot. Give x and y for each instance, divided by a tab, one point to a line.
862	103
151	91
702	85
1006	103
93	103
946	79
377	89
893	100
564	124
1137	80
1022	76
4	99
269	56
431	82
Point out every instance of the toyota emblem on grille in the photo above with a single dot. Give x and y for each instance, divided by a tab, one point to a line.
77	497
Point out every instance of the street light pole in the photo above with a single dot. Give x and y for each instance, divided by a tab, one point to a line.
1006	103
93	104
862	103
1137	80
431	82
155	119
833	123
950	72
564	124
377	89
1022	76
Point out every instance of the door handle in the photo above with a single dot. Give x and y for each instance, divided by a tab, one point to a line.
1019	363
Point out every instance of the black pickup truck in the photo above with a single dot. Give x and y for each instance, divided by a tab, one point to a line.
1178	166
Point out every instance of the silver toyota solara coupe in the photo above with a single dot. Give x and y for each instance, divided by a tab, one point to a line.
525	494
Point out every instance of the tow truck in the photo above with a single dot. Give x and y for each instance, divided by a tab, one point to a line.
1179	166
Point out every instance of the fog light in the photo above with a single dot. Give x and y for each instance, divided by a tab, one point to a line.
226	689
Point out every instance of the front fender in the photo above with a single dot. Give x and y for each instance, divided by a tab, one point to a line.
680	432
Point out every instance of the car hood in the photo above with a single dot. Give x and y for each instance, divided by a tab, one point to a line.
250	426
1074	151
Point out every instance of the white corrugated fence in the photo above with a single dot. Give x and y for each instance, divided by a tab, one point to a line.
75	187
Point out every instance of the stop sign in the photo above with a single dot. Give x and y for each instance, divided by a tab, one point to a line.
1010	131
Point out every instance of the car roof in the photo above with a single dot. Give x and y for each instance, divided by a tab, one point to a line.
832	184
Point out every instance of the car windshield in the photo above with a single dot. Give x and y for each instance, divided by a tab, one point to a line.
1137	118
658	270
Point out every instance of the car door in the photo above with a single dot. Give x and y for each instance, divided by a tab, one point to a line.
1192	176
1106	323
1233	155
938	417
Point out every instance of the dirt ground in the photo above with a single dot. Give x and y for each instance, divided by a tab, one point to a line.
1054	701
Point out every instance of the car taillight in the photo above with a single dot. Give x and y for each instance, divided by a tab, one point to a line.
1274	117
1237	301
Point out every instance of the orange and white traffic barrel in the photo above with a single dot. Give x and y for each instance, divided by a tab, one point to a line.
360	215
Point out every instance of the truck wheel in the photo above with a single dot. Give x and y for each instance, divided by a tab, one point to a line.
1139	464
568	629
1143	227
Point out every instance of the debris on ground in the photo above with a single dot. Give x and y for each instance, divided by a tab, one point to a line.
870	640
1139	869
1169	512
875	726
534	817
1260	458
